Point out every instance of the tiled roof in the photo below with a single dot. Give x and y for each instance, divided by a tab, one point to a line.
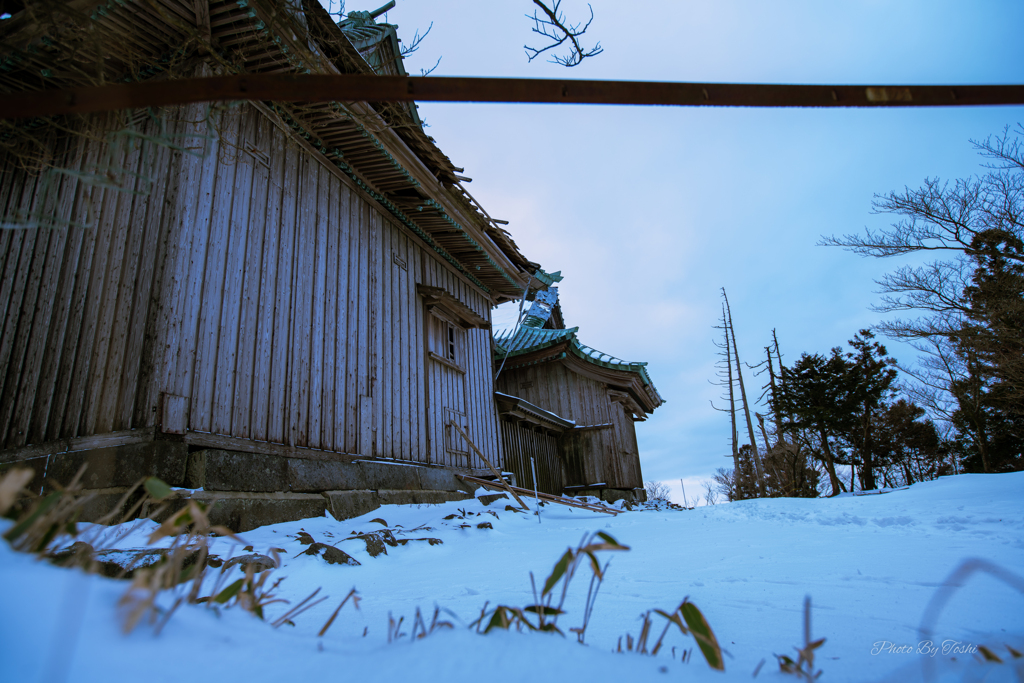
530	339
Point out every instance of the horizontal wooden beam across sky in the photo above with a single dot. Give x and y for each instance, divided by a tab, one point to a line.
317	88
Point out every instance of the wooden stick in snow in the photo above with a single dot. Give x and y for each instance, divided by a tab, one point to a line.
541	496
488	463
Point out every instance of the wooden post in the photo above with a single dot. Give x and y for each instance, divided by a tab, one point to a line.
533	469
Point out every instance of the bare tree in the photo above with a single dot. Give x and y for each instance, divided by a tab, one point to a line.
725	483
945	384
738	481
551	23
755	455
710	492
947	218
656	491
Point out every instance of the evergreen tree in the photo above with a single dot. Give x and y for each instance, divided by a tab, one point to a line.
995	328
904	446
834	396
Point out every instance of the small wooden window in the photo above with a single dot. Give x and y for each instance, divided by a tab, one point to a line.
447	342
451	343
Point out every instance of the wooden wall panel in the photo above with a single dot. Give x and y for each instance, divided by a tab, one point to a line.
520	442
72	361
607	455
353	389
231	226
254	281
382	361
328	201
31	319
278	431
17	271
135	408
248	412
297	432
271	213
23	390
478	390
206	275
341	217
126	232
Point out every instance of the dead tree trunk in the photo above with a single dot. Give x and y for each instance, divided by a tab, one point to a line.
754	454
738	480
774	388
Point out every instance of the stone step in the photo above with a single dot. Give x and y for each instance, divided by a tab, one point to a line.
243	511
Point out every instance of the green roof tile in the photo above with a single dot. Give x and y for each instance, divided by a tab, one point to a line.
529	339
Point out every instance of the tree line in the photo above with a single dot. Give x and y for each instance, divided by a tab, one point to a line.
857	419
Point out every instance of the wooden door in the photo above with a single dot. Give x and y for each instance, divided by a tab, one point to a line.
585	450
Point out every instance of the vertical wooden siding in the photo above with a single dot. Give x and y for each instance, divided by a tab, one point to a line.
606	455
75	299
253	280
473	391
521	441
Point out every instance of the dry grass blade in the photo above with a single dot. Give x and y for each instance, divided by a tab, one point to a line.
48	516
803	667
298	609
351	594
167	617
116	511
12	487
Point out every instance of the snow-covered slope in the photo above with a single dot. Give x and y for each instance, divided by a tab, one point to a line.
870	564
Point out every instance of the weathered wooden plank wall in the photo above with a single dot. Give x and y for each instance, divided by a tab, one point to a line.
463	392
606	454
75	298
254	280
627	467
520	441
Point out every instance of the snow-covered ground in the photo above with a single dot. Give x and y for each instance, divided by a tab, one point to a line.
871	564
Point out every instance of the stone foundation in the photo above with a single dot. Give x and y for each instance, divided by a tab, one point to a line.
245	490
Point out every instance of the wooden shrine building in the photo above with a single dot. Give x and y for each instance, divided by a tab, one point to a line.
571	407
275	303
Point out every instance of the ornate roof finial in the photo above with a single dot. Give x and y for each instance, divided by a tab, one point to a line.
358	18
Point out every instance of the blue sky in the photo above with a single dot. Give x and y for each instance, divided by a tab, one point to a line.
649	211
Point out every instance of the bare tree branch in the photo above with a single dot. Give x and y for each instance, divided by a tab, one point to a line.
552	25
414	44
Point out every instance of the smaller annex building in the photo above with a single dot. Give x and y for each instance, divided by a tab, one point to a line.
571	407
